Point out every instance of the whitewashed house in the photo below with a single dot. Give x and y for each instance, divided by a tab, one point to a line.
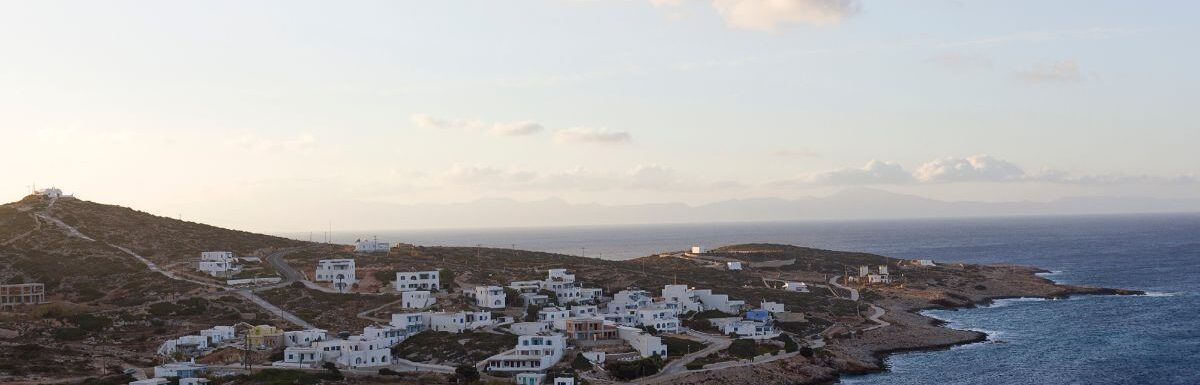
388	335
180	370
371	246
584	311
645	344
301	357
529	378
629	300
52	193
304	337
663	320
418	280
680	297
748	329
733	265
416	299
697	250
551	314
532	354
360	352
719	302
412	323
530	328
218	334
341	272
924	262
489	297
219	264
457	322
799	287
773	307
564	381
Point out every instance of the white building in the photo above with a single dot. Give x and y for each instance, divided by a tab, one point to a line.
697	250
747	329
180	370
733	265
564	381
663	320
719	302
529	378
338	271
52	193
799	287
530	328
773	307
645	344
629	300
412	323
191	345
418	280
301	357
923	262
552	314
532	354
194	381
596	357
371	246
416	299
218	334
584	311
457	322
388	335
304	337
360	352
151	381
219	263
489	297
680	297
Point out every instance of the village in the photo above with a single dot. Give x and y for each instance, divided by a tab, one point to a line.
565	330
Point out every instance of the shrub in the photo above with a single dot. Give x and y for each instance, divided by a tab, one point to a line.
743	348
467	373
807	352
789	345
629	370
581	363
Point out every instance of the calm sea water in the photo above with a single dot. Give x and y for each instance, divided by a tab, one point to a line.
1153	339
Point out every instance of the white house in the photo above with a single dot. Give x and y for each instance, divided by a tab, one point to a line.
773	307
719	302
338	271
532	354
799	287
301	357
371	246
180	370
733	265
564	381
489	297
531	299
628	300
191	345
52	193
389	335
303	337
747	329
360	352
663	320
219	263
218	334
697	250
529	378
596	357
584	311
530	328
551	314
416	299
457	322
418	280
645	344
412	323
923	262
680	297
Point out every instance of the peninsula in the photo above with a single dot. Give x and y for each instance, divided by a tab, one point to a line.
101	294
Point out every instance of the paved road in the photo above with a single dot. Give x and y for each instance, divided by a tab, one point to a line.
877	312
679	366
853	292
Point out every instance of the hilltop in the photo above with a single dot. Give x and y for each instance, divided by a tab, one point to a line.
120	282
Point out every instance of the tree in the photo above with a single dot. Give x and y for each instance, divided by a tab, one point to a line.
743	348
446	279
531	313
467	373
512	297
789	345
581	363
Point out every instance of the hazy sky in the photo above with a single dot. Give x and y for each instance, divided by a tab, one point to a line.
210	109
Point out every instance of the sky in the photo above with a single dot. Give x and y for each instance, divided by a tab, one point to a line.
228	111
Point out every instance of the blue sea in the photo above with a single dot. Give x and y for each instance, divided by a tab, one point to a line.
1151	339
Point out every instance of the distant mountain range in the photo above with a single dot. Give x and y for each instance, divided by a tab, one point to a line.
859	203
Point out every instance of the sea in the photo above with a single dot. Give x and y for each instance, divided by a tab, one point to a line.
1147	339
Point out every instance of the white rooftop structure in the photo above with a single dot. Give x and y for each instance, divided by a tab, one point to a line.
697	250
734	265
489	297
219	263
371	246
416	299
532	354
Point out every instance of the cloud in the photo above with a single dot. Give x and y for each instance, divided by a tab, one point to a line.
432	122
642	177
961	61
768	15
251	142
796	153
874	172
978	168
1065	71
516	128
591	135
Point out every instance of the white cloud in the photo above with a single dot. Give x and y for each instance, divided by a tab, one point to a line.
591	135
768	15
1065	71
977	168
516	128
642	177
433	122
251	142
874	172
